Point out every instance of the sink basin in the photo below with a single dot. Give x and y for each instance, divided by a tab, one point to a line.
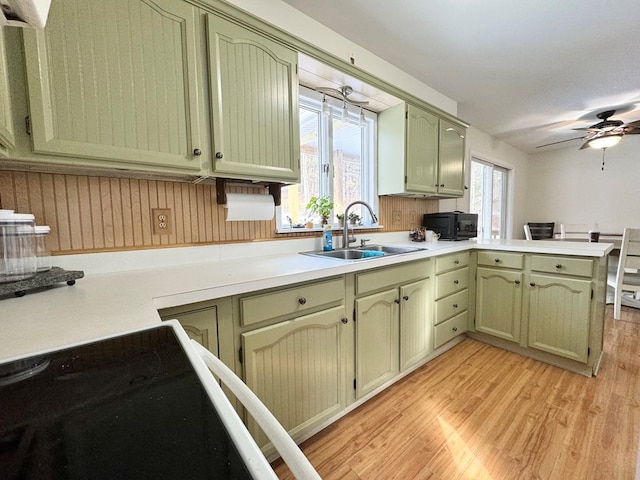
353	254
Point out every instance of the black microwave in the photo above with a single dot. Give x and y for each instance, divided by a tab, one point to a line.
452	225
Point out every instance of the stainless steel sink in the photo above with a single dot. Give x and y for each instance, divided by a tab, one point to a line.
353	254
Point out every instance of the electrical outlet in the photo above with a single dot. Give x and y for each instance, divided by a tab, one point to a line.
162	221
415	222
397	217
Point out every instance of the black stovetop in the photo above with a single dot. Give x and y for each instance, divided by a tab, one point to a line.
130	407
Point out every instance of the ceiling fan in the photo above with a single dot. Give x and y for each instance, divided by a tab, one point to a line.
605	133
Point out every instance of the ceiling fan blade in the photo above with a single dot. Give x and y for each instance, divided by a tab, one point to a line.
561	141
635	124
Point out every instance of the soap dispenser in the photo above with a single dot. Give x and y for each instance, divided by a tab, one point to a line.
327	239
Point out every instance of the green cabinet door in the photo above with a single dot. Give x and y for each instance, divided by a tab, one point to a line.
422	151
254	104
451	159
297	368
117	82
559	314
416	322
499	302
377	339
7	140
200	325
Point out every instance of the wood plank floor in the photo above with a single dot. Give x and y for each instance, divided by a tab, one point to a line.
479	412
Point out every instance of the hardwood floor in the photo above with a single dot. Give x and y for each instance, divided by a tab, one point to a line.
479	412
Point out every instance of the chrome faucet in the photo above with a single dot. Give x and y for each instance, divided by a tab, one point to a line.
345	233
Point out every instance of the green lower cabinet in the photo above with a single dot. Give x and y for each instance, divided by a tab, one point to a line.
200	325
377	338
559	313
416	323
297	368
499	302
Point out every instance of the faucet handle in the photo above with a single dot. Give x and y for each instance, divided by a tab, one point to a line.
363	242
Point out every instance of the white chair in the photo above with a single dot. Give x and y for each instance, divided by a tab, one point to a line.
626	278
527	232
299	465
577	230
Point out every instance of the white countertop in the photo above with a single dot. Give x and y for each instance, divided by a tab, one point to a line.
122	291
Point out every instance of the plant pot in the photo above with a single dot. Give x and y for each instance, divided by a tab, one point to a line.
308	225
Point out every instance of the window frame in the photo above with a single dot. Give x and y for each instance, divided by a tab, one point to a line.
312	100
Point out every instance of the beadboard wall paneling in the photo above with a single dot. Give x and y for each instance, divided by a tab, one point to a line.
95	213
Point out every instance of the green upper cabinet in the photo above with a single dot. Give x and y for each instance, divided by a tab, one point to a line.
254	104
419	153
407	151
116	84
7	140
451	159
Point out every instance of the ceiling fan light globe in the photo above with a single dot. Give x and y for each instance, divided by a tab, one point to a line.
605	142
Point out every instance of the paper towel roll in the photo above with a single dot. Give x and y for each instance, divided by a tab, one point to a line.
247	206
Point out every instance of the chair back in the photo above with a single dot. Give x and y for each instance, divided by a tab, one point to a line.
540	230
577	230
630	249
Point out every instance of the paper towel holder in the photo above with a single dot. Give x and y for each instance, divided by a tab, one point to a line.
221	192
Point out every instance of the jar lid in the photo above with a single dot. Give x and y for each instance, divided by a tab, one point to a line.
41	229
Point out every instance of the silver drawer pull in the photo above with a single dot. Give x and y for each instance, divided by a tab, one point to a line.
457	262
455	329
455	305
302	300
558	266
456	282
405	298
344	320
517	282
497	260
532	284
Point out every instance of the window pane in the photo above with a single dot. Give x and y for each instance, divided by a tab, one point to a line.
295	197
347	164
496	210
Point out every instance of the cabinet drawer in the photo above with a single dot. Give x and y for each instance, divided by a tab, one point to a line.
262	307
449	262
581	267
385	277
451	282
452	305
501	259
450	329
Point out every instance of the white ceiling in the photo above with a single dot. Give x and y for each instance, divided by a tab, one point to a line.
524	71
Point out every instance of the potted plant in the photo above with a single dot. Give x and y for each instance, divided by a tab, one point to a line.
354	218
340	217
320	206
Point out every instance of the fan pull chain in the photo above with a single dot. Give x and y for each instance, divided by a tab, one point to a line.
603	150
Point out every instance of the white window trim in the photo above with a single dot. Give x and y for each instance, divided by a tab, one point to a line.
480	157
311	97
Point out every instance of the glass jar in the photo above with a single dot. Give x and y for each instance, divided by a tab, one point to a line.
43	258
17	247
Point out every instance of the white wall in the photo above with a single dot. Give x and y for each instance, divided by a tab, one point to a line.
300	25
568	186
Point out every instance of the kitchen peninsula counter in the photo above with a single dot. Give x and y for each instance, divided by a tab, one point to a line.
121	292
